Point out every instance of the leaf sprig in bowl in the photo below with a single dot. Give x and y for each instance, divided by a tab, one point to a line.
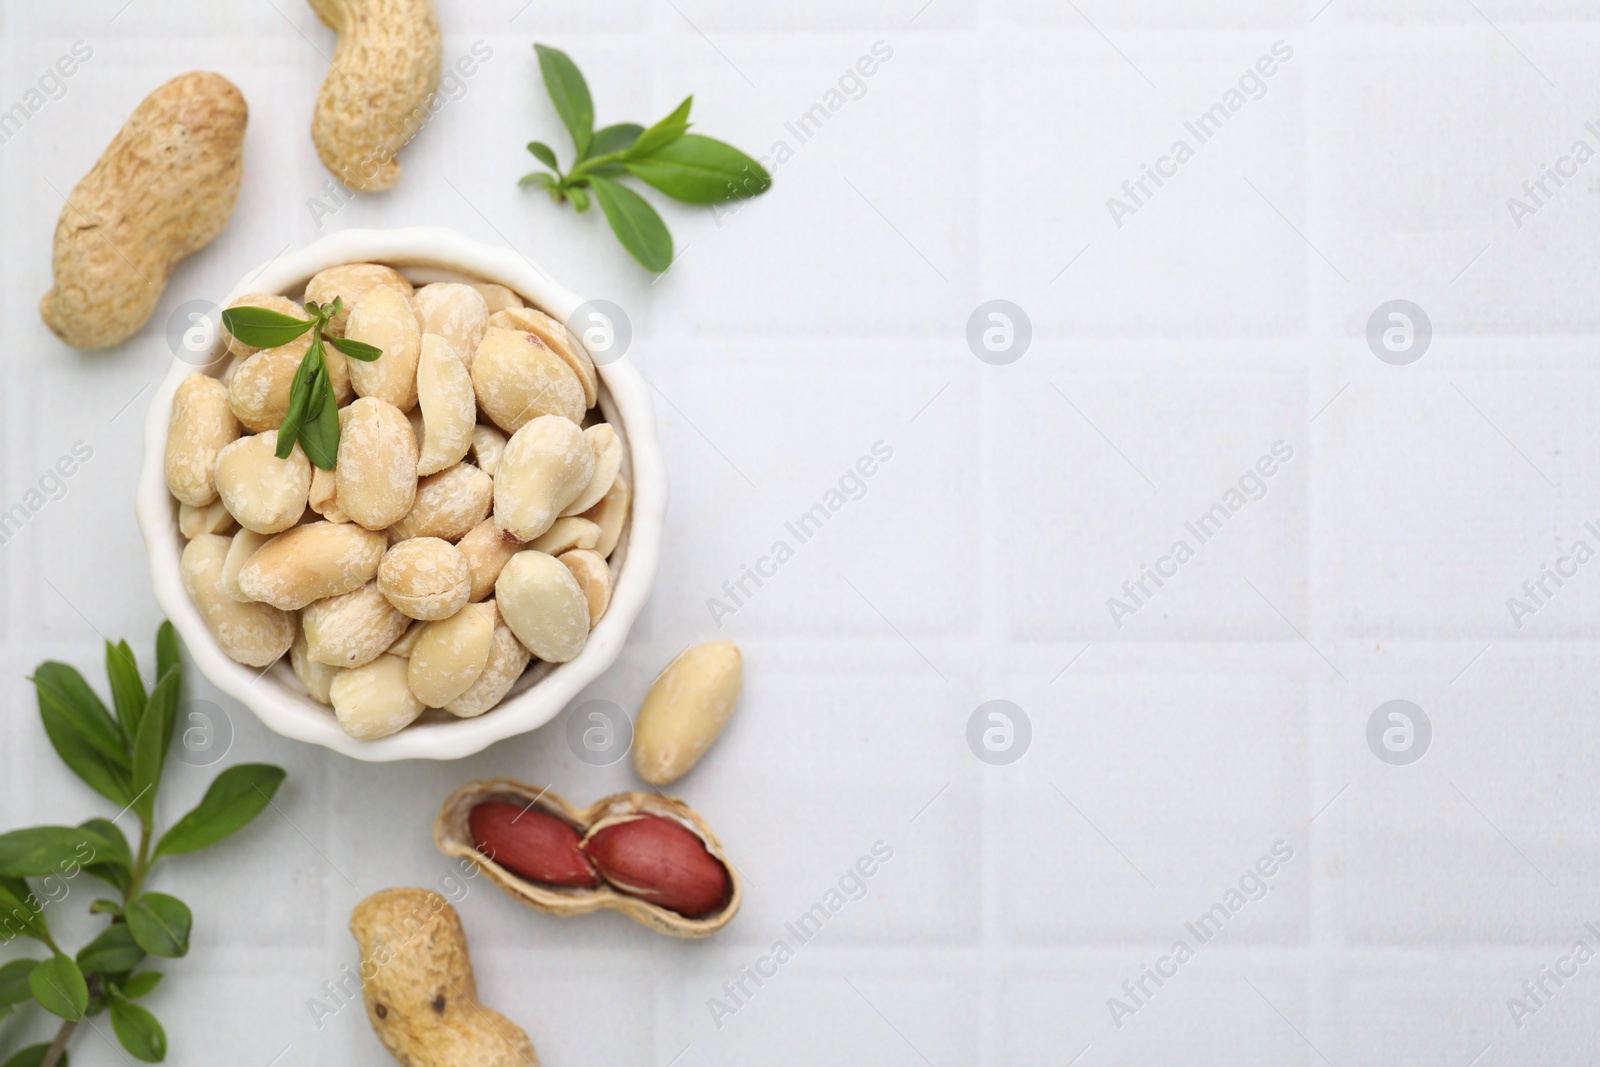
686	166
313	415
121	758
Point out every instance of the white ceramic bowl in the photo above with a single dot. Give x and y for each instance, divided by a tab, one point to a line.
276	696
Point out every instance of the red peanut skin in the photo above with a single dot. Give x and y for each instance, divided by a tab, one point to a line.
532	845
658	860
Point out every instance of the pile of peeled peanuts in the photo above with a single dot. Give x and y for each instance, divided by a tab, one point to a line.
464	531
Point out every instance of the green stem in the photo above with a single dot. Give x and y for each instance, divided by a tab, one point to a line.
141	865
583	168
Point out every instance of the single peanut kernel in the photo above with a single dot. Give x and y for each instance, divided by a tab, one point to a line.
659	860
685	710
425	578
531	844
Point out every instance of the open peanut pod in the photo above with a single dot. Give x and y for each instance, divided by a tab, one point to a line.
649	856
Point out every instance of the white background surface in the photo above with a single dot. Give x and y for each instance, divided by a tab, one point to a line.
830	315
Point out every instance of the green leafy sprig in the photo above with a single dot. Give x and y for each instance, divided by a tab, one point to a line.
120	756
686	166
313	415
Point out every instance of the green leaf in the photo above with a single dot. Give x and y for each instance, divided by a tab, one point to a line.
82	732
105	907
141	984
166	649
579	197
138	1031
127	688
356	349
59	987
263	327
635	223
540	179
238	795
701	170
150	748
14	988
569	93
664	132
319	434
113	864
160	924
113	952
300	398
45	850
21	914
33	1056
544	154
612	139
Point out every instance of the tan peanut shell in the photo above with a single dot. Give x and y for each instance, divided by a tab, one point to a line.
376	465
350	282
447	405
507	660
162	189
558	339
685	710
448	505
311	562
384	319
380	85
456	312
252	634
200	426
419	990
453	835
351	629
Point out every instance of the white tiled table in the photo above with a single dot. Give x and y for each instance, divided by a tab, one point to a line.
1167	755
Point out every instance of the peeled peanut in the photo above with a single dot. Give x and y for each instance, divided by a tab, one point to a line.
213	519
488	445
497	297
408	640
507	660
607	448
450	654
252	634
310	563
316	677
201	426
425	578
684	711
448	504
272	302
449	409
610	515
266	494
350	282
541	602
383	318
594	578
376	464
258	389
245	544
546	465
517	379
374	701
558	339
352	628
455	312
565	535
486	552
324	495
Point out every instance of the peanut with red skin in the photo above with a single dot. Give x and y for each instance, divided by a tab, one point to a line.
532	844
660	861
